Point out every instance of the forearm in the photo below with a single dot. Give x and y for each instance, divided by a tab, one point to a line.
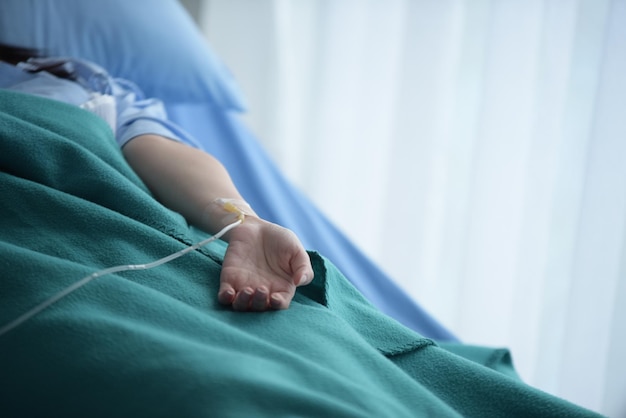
183	178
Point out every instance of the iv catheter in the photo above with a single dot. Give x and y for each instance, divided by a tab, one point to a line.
111	270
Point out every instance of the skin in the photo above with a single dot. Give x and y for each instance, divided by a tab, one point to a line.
264	262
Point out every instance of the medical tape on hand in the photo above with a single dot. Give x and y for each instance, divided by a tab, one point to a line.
237	209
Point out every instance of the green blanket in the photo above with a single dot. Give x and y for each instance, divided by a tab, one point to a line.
156	343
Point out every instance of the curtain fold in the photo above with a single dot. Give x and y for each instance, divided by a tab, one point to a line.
476	150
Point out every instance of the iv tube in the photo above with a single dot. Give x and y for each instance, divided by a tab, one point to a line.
61	294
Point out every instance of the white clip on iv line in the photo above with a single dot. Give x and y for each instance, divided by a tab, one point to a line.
60	295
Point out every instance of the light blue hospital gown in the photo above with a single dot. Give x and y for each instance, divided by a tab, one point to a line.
119	102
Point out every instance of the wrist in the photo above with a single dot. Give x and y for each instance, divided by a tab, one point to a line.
225	211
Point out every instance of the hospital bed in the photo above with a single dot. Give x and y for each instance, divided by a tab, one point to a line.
157	343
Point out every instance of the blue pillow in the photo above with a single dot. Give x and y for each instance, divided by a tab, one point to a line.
153	43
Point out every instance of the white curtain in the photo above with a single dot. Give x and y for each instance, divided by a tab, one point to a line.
476	150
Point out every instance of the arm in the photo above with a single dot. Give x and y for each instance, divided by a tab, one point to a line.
182	178
263	263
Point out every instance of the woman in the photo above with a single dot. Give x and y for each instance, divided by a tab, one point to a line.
157	343
264	262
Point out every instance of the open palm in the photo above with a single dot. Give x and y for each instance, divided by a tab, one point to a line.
263	265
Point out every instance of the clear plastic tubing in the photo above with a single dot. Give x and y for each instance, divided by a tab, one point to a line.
111	270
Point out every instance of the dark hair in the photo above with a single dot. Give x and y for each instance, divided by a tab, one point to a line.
13	54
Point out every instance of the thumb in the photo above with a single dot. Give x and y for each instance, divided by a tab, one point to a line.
303	272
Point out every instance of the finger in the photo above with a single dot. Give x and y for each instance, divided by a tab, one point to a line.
226	294
278	301
303	279
242	300
259	301
303	273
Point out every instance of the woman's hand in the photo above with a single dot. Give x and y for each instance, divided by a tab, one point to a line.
263	265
